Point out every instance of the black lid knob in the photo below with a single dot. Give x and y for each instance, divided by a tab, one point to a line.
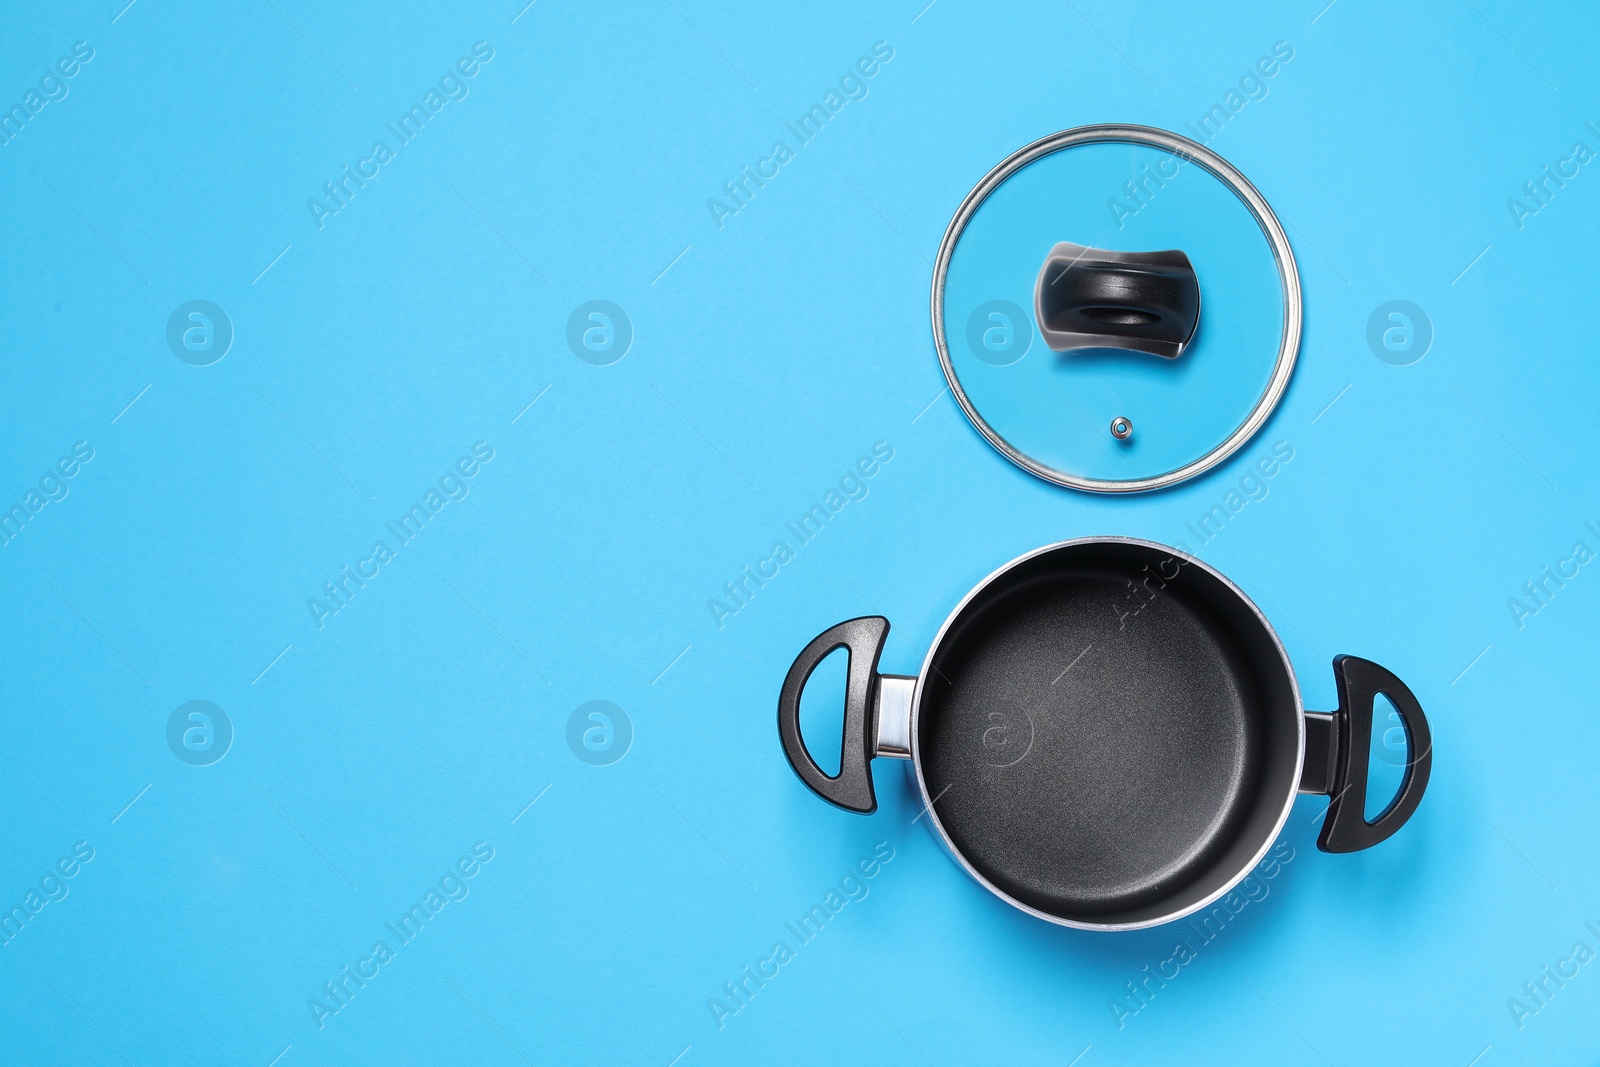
1097	298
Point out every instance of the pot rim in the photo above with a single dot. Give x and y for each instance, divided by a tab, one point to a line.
1244	868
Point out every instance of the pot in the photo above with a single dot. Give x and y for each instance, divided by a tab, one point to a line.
1107	734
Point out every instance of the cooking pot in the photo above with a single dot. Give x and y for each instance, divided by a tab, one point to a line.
1107	734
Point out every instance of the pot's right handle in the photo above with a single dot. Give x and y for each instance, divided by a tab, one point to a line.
1337	748
852	788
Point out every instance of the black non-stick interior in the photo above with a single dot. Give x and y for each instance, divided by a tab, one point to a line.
1111	735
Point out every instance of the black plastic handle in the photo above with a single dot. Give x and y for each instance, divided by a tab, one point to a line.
852	788
1097	298
1337	749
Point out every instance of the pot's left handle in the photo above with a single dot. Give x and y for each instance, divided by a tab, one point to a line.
852	788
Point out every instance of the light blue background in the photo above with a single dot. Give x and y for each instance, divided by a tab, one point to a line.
768	356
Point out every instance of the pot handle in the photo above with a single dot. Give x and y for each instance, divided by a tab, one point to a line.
1337	748
852	788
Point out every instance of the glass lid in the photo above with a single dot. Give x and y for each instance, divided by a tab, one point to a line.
1116	308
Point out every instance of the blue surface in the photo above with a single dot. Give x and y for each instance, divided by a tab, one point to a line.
771	348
